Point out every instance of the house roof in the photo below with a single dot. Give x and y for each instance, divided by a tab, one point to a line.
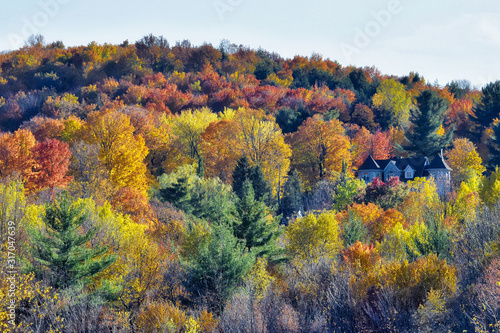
438	163
419	164
369	164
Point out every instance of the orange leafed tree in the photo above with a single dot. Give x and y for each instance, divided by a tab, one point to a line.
377	145
16	153
250	133
319	148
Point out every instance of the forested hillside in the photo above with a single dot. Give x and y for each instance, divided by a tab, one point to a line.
151	187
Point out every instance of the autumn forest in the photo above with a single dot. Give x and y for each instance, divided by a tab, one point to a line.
157	187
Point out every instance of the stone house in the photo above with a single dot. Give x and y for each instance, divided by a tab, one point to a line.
408	169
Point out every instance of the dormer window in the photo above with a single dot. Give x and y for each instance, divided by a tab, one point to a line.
409	172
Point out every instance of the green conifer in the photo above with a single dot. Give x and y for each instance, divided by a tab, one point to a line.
424	137
254	225
63	249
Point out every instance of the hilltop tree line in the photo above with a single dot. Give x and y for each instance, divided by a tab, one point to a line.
182	188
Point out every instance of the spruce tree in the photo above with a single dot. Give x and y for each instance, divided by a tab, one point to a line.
261	189
292	200
218	266
489	107
241	173
178	194
62	247
244	171
424	138
254	226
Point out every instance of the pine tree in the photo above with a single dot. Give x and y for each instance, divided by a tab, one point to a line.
218	266
242	172
254	225
62	248
489	107
428	119
292	200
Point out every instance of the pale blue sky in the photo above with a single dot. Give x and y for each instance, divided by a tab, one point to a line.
441	39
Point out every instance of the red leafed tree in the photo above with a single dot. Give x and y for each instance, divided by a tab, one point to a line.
52	162
381	146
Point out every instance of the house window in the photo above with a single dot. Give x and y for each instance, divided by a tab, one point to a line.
391	174
409	174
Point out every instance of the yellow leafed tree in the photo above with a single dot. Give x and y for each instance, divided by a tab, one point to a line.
250	133
312	237
189	126
121	152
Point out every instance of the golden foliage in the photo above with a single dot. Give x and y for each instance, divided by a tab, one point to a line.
312	237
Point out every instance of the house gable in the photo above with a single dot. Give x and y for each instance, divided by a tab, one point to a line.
391	170
408	169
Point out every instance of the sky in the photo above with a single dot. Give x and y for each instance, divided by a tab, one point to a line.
442	40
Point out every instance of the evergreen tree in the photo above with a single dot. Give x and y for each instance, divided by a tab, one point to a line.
494	159
177	194
354	230
62	247
242	172
261	189
254	225
218	266
489	107
292	200
424	138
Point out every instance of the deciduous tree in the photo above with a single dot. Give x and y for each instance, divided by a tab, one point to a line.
52	159
121	152
320	147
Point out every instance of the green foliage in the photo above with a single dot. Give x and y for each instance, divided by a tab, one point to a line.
12	205
208	199
354	230
177	193
62	247
289	120
255	225
434	239
218	266
346	192
393	102
292	200
494	159
489	107
242	172
424	138
489	189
